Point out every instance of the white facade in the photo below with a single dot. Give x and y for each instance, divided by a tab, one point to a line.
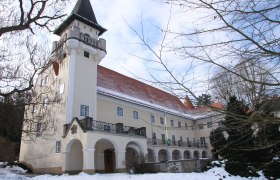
99	130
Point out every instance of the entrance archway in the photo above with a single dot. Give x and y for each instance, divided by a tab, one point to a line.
176	155
163	155
196	155
204	154
187	154
151	155
75	157
109	160
133	155
104	156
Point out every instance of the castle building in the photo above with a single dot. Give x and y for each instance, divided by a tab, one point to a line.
103	118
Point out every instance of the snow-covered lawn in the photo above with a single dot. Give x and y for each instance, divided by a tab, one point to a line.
17	173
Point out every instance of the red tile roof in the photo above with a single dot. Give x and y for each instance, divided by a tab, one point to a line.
117	82
188	104
217	105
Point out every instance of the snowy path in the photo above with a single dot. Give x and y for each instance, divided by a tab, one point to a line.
212	174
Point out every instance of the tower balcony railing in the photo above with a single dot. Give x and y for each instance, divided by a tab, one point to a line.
75	33
178	143
88	124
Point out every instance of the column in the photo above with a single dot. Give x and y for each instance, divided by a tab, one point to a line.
88	163
120	161
65	164
155	158
72	45
70	97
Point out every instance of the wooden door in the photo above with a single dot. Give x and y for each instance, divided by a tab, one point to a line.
109	160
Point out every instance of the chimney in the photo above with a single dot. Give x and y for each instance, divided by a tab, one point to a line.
188	104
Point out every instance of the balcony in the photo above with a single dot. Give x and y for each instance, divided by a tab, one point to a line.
88	124
179	143
58	50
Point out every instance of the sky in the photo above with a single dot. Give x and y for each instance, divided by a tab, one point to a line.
122	17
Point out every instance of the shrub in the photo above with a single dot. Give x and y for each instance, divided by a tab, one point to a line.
238	168
271	171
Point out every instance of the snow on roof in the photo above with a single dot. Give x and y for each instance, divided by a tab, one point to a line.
119	86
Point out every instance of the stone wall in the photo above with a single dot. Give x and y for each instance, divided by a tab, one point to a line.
178	166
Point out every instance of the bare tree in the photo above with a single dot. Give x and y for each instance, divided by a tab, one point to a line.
23	55
249	31
241	39
226	84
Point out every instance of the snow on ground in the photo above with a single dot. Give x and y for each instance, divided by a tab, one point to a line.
216	173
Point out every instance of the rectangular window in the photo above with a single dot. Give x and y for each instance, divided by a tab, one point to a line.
202	140
179	124
38	129
46	79
180	142
161	120
42	82
209	124
45	102
57	146
152	118
173	139
84	110
188	142
33	108
107	127
163	138
135	115
61	89
172	123
186	125
154	137
86	54
119	111
200	126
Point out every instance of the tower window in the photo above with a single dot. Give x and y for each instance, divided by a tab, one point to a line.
57	146
42	82
84	110
38	129
46	79
86	54
45	102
